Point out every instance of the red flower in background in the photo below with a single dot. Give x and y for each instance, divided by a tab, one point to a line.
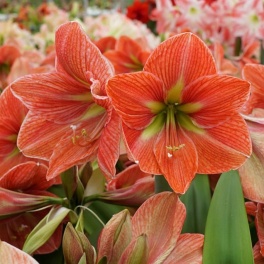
139	11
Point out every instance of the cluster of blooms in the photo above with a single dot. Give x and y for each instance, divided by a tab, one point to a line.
102	107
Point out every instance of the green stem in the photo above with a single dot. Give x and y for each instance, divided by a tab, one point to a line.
238	45
161	184
261	52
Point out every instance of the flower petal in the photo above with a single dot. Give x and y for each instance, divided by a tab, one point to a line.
189	249
53	95
108	149
222	148
180	165
27	176
78	56
163	227
183	56
38	137
217	96
135	96
11	254
252	171
142	150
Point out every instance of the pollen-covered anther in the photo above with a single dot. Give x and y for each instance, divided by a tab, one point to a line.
173	148
82	139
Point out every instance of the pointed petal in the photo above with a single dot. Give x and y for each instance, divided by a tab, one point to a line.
11	254
189	249
217	96
115	237
78	56
178	166
183	56
106	43
53	95
38	137
254	73
142	150
251	173
108	149
260	226
258	258
77	147
133	96
27	176
221	148
165	208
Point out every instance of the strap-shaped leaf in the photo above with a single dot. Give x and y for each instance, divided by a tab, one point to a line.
197	201
227	236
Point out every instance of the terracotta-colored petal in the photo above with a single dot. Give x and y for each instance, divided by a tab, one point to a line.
106	43
183	56
258	258
11	254
189	249
129	100
180	165
260	226
16	113
86	61
53	95
163	227
38	137
127	177
108	149
217	96
251	208
15	230
252	172
128	46
142	150
221	148
121	62
254	73
8	54
27	176
76	148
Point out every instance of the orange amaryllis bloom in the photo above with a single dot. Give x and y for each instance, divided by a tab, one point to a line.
8	54
11	254
153	235
131	187
128	55
71	116
22	190
179	115
12	114
252	172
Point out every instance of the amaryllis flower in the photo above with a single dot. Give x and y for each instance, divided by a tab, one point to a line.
151	236
179	116
131	187
128	55
139	11
252	171
12	114
23	189
69	110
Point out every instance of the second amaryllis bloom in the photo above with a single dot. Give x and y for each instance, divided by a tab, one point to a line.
179	116
71	120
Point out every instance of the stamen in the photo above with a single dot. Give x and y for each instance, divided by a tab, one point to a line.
169	155
173	148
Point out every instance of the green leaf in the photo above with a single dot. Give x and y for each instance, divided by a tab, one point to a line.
227	236
197	201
